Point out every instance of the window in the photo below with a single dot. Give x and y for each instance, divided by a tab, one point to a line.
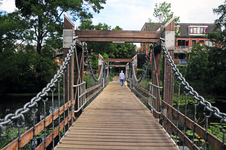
193	30
186	43
183	42
203	30
201	42
209	43
193	42
198	30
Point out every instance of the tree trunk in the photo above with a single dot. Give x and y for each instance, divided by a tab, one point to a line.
40	37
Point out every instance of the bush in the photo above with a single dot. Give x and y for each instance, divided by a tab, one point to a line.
111	78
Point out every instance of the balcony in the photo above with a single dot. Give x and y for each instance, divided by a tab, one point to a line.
180	62
182	49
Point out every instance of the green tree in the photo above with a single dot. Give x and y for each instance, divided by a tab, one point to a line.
218	36
206	70
163	13
40	21
22	68
94	60
13	28
126	50
217	54
45	18
197	69
105	56
19	70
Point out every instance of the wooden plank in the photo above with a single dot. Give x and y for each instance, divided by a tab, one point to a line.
144	98
126	40
91	96
115	147
110	143
142	89
113	139
118	34
211	139
56	132
92	88
116	119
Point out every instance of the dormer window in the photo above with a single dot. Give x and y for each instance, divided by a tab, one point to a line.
197	29
203	30
193	30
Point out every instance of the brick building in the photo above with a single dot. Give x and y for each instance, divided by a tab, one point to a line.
190	34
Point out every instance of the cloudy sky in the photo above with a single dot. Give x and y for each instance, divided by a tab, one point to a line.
132	14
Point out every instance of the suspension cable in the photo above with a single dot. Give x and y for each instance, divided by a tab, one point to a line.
19	113
90	68
144	69
216	112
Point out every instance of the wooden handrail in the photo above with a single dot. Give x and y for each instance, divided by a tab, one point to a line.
49	138
91	96
211	139
142	89
28	135
187	141
144	98
92	88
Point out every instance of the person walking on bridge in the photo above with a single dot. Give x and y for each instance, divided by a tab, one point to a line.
121	77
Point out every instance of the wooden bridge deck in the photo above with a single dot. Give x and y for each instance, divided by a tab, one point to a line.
116	119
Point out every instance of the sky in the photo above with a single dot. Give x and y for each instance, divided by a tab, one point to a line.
132	14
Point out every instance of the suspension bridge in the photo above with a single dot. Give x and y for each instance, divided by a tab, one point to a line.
98	114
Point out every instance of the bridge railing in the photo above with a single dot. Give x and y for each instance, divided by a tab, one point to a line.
188	119
48	114
42	122
84	97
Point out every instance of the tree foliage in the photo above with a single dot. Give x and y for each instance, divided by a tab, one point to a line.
218	36
206	70
45	18
197	68
25	67
126	50
13	28
163	13
19	70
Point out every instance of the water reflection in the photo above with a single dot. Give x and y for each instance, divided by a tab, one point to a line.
9	104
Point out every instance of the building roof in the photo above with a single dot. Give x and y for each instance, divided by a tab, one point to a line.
183	28
153	27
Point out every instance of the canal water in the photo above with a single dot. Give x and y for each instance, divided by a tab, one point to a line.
9	104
